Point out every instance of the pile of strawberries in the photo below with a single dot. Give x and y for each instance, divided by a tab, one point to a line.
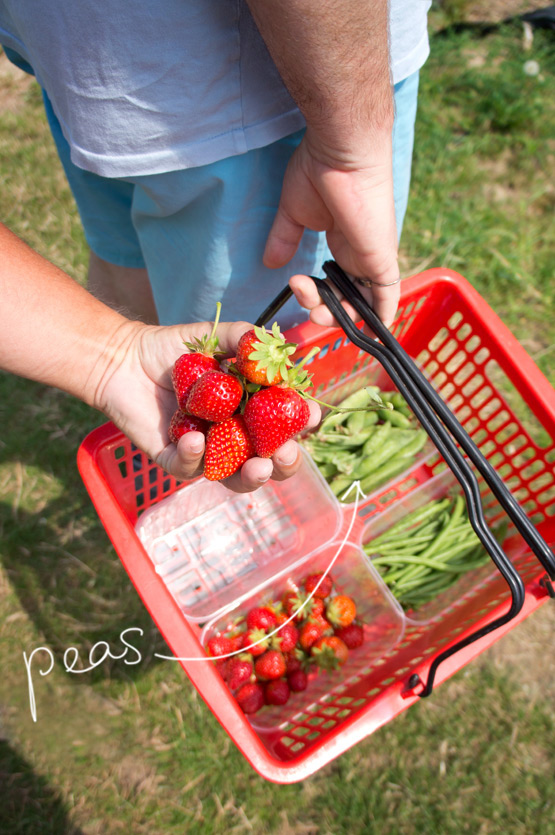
267	654
248	407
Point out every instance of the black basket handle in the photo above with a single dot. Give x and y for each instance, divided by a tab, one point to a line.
431	411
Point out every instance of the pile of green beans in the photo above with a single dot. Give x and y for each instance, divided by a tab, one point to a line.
427	551
371	445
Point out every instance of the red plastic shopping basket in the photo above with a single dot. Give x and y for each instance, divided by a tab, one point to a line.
503	402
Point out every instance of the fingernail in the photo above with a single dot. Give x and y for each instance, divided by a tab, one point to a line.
196	447
288	458
263	477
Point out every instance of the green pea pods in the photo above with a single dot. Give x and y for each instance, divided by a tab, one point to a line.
376	439
382	474
395	417
340	483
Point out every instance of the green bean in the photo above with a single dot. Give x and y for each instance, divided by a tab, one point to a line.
398	400
458	509
415	517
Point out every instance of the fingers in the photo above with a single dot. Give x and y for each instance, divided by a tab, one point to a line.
306	293
385	301
186	460
189	455
283	240
229	334
286	461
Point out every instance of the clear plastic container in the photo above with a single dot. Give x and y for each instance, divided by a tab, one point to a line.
212	546
353	575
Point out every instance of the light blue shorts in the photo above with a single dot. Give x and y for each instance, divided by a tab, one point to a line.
201	232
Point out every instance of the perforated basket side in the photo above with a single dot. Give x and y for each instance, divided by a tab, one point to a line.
511	413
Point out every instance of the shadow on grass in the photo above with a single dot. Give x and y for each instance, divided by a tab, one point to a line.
53	547
28	805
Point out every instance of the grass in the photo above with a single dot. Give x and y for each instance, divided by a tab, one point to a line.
133	748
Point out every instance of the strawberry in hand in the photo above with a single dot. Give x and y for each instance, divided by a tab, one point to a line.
215	396
264	357
228	447
273	416
181	423
202	356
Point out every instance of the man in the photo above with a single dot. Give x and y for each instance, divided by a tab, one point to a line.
179	125
214	148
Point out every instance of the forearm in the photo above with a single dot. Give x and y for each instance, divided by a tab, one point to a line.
51	329
334	58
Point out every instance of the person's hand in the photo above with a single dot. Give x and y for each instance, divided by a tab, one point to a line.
137	394
351	199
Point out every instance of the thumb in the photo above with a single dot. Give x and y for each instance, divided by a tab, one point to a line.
283	239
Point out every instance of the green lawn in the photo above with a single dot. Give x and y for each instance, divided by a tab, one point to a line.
133	749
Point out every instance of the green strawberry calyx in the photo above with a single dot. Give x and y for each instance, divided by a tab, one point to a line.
207	344
325	657
272	354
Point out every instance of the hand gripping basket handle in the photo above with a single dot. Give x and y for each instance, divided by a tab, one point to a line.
427	405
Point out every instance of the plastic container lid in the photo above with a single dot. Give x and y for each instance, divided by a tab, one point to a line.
212	546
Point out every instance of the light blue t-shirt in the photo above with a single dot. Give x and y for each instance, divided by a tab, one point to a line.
146	88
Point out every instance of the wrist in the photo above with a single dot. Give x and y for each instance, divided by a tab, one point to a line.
364	149
109	354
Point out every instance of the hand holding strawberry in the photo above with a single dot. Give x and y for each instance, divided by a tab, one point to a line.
137	393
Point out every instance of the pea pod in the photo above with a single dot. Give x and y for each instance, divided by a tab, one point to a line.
395	417
382	474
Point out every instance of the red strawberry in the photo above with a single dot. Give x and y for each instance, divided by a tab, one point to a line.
219	645
222	665
351	635
250	697
190	366
250	641
315	608
292	662
341	610
263	357
325	587
181	423
286	639
292	602
236	639
309	633
329	652
276	692
273	416
270	665
214	396
228	446
239	671
261	617
297	680
324	625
